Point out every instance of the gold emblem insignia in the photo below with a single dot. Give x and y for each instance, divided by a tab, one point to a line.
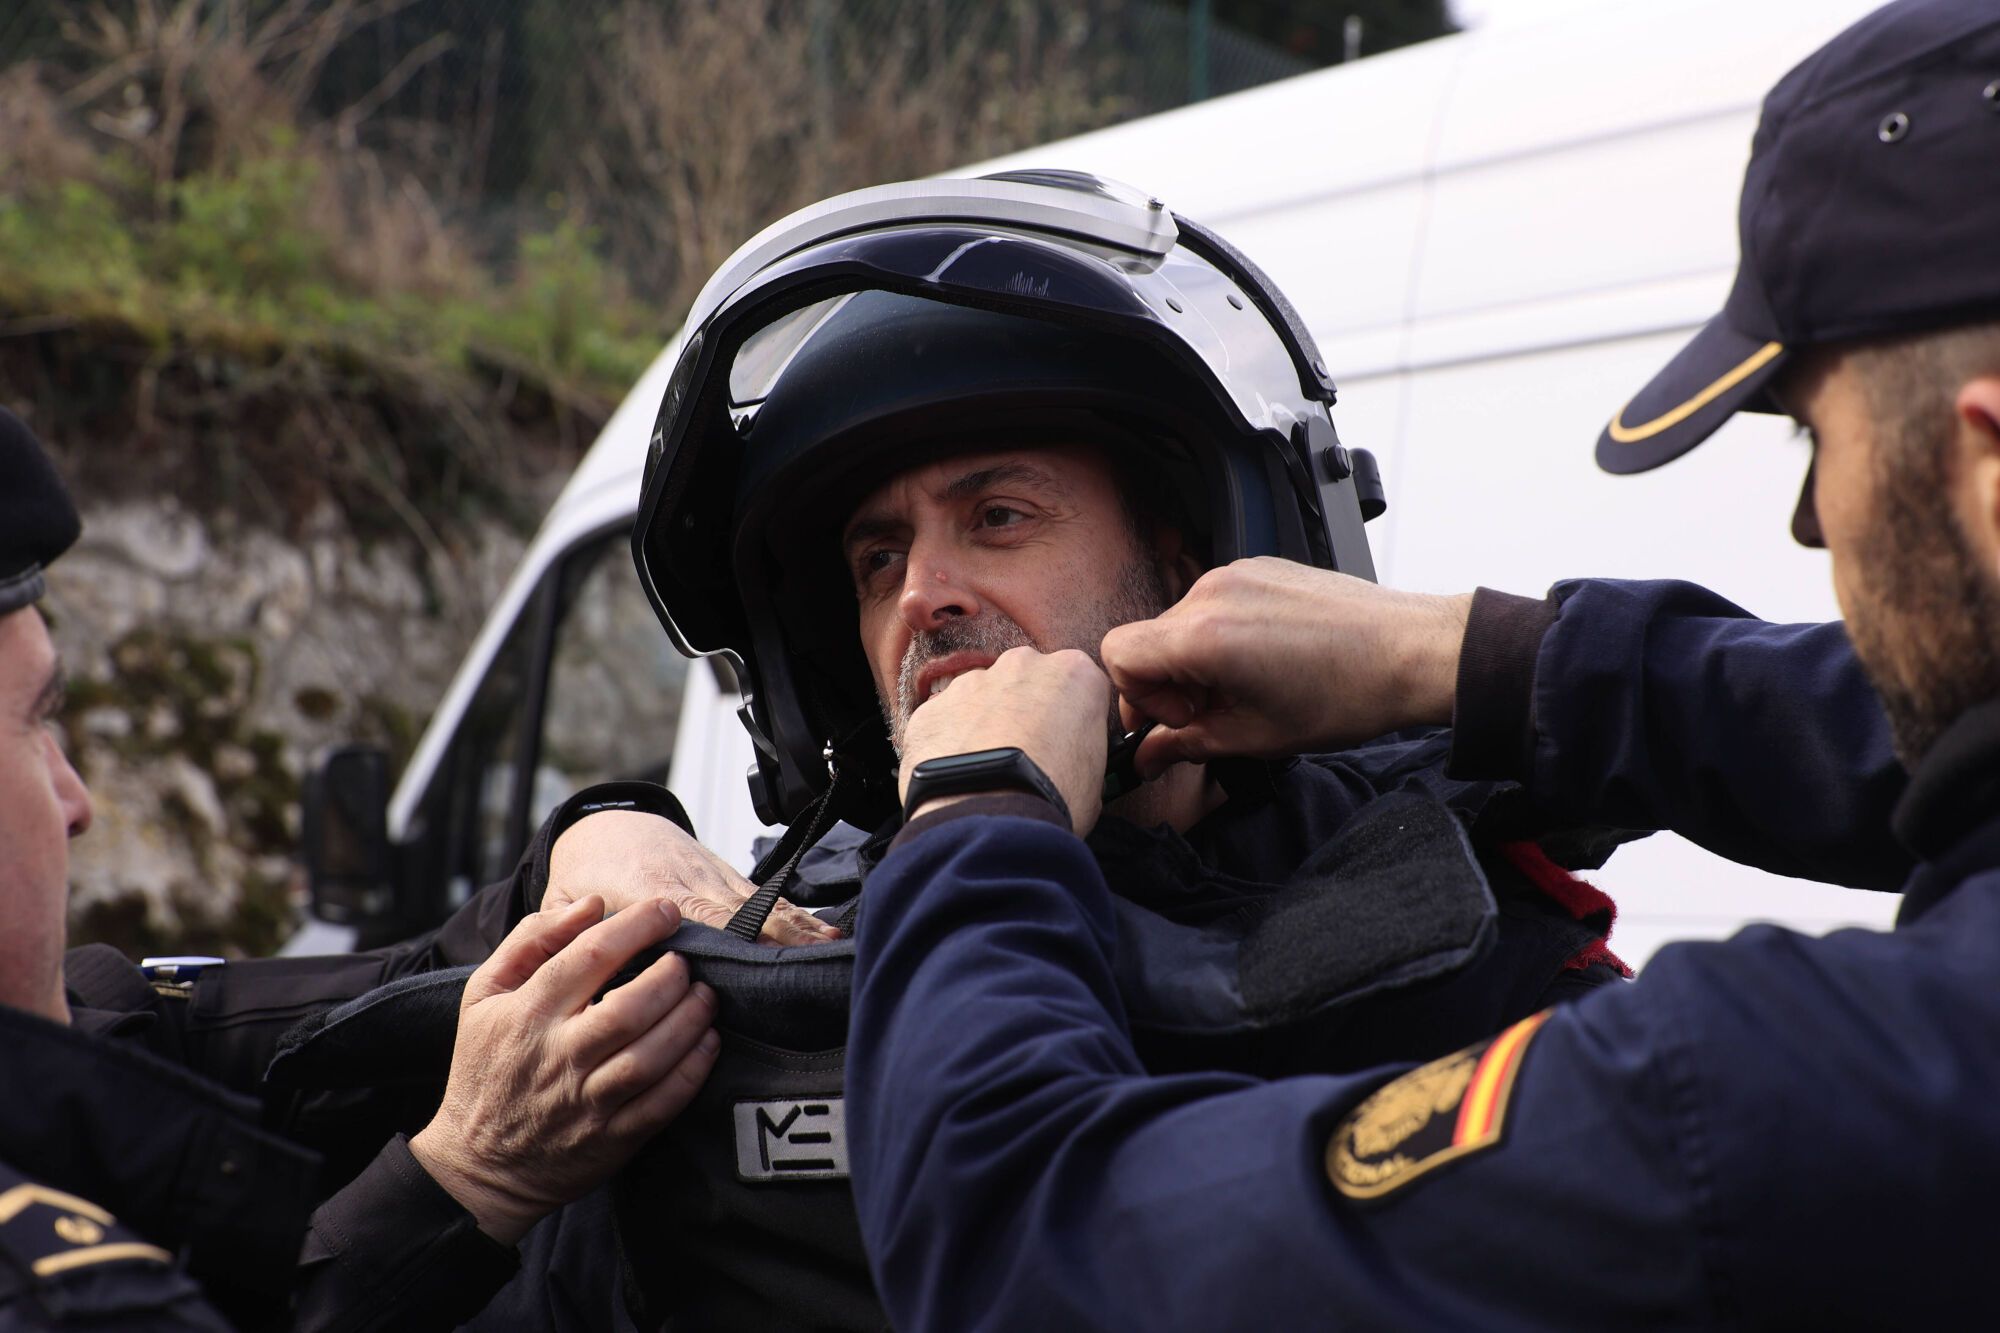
1429	1116
87	1234
79	1230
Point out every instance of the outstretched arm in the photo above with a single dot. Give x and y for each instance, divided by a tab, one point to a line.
1686	1151
1638	705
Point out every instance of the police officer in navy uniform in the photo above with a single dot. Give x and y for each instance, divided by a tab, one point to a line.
65	1260
1774	1130
130	1171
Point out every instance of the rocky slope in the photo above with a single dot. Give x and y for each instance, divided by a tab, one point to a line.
208	660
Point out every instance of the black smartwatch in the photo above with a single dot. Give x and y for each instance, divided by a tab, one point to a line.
1004	769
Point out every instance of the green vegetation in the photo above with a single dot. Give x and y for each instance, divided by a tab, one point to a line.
238	262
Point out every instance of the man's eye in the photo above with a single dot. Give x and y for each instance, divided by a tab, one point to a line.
874	562
999	516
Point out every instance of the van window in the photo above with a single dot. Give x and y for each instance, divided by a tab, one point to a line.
614	684
485	762
586	688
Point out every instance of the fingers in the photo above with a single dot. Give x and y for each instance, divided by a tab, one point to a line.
566	983
647	1113
1166	747
626	1011
654	1053
1168	705
794	925
1147	654
787	924
697	906
532	942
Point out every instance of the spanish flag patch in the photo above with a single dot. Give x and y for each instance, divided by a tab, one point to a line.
1429	1116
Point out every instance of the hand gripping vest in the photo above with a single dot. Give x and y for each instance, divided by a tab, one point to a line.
739	1215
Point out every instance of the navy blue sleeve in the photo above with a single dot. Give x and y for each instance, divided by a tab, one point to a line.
1678	1152
1015	1167
1659	705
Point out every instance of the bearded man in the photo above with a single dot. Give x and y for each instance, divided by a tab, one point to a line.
1773	1131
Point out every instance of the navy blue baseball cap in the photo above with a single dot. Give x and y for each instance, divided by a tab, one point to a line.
37	520
1871	208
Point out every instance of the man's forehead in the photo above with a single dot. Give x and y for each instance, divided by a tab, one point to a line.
26	654
1061	468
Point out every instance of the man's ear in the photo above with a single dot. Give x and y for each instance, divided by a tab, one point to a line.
1177	565
1978	412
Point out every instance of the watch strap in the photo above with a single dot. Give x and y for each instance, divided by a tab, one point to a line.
1006	768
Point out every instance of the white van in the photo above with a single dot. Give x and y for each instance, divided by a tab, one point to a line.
1495	237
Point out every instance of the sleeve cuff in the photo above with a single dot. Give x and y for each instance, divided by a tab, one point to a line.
1493	716
1019	804
394	1249
646	797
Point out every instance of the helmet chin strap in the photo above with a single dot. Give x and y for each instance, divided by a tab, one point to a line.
781	863
845	794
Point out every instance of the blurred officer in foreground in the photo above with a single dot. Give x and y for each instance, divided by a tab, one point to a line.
1772	1130
125	1178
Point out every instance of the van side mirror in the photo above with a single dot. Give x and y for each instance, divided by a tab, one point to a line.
348	864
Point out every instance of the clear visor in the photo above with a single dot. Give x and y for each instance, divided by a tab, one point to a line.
1179	302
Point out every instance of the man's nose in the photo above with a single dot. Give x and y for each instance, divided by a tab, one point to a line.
73	796
934	591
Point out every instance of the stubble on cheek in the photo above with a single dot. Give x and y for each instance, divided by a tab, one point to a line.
991	634
1138	595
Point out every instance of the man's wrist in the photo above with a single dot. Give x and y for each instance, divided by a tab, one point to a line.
992	805
1432	661
499	1214
976	773
935	804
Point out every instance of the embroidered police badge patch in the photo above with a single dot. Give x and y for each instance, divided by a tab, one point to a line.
1429	1116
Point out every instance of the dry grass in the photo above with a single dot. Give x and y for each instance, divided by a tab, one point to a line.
195	246
714	117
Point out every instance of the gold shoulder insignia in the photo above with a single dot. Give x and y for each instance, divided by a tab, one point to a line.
1428	1117
79	1235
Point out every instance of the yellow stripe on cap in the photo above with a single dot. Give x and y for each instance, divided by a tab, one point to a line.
1756	361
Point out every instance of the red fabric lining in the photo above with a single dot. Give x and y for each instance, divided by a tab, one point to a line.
1582	900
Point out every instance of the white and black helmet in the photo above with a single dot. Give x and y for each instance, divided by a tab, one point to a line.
867	333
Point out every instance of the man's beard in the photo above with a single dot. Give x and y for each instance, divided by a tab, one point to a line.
1139	595
1927	621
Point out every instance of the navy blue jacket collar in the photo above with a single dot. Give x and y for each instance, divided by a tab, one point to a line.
1950	814
176	1158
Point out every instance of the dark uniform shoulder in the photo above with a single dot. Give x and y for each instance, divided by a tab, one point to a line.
67	1263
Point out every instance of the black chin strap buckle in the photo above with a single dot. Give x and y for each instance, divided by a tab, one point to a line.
1121	772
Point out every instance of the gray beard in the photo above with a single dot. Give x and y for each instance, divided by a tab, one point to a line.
1140	595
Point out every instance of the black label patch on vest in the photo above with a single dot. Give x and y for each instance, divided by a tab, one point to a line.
792	1140
1430	1116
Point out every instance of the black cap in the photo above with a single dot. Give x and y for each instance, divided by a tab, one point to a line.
1871	207
37	520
